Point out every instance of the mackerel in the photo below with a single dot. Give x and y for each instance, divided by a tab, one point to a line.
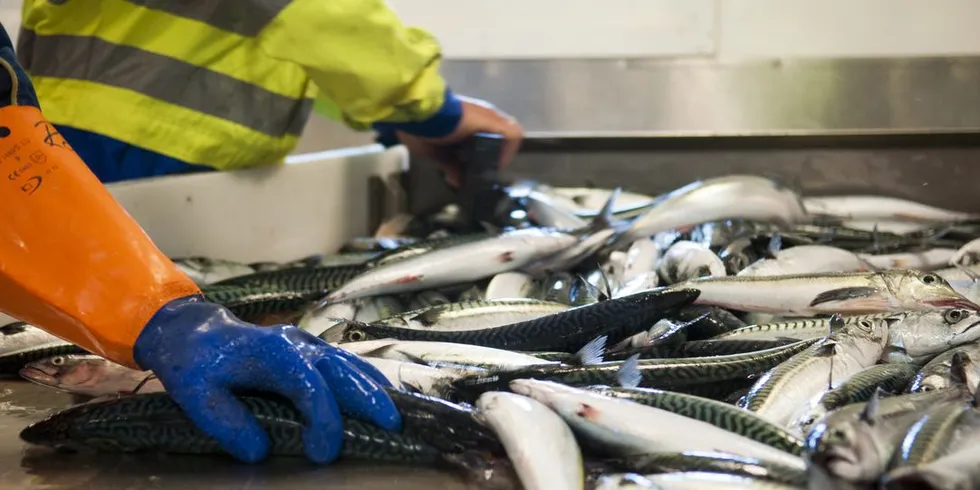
918	336
928	260
422	246
787	388
252	303
314	282
550	459
931	435
939	373
430	380
474	315
855	443
718	414
799	329
21	343
806	259
432	429
891	378
444	352
457	264
89	375
877	207
624	428
844	293
730	197
653	373
711	462
567	331
709	321
686	260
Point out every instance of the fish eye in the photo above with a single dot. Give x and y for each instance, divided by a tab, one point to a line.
953	316
926	388
356	336
929	279
866	325
57	361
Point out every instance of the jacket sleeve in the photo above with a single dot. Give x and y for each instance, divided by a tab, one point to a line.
375	70
74	262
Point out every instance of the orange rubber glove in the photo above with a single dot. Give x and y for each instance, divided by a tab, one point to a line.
72	261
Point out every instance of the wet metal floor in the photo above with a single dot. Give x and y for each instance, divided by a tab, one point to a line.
28	467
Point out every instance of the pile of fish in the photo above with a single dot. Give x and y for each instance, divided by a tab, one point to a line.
729	334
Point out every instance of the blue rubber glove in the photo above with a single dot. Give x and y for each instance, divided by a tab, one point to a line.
201	352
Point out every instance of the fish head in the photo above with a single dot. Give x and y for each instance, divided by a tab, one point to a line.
64	371
931	382
806	422
918	335
844	448
922	290
868	336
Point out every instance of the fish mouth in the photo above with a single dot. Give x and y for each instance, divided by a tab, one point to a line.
954	303
39	376
833	457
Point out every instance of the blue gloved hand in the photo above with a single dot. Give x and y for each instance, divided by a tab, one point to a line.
201	352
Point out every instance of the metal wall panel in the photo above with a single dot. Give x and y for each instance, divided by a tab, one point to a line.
691	97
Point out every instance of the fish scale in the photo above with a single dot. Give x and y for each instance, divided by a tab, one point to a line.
859	387
654	373
930	436
565	331
154	422
800	329
712	463
317	281
249	303
716	413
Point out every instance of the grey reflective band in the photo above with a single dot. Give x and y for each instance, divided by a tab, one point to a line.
161	77
245	17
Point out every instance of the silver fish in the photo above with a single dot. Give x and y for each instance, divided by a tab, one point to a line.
508	285
424	379
959	364
875	207
686	260
442	352
799	329
845	293
21	343
855	443
627	428
927	260
85	374
735	196
784	391
701	480
806	259
968	254
457	264
203	270
551	458
959	469
917	336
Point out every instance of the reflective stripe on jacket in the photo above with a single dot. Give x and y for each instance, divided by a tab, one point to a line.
225	83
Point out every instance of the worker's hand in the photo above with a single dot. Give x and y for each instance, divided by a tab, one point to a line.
478	116
201	353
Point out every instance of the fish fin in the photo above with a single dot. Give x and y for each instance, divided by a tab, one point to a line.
871	267
606	292
628	375
836	324
842	294
959	367
870	413
593	289
775	245
969	273
414	359
592	352
428	317
827	348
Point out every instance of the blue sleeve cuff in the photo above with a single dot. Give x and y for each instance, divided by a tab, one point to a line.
25	89
440	124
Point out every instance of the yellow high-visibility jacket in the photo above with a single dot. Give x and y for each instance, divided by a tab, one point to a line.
225	83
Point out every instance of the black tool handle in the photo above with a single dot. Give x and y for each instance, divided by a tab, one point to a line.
478	190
